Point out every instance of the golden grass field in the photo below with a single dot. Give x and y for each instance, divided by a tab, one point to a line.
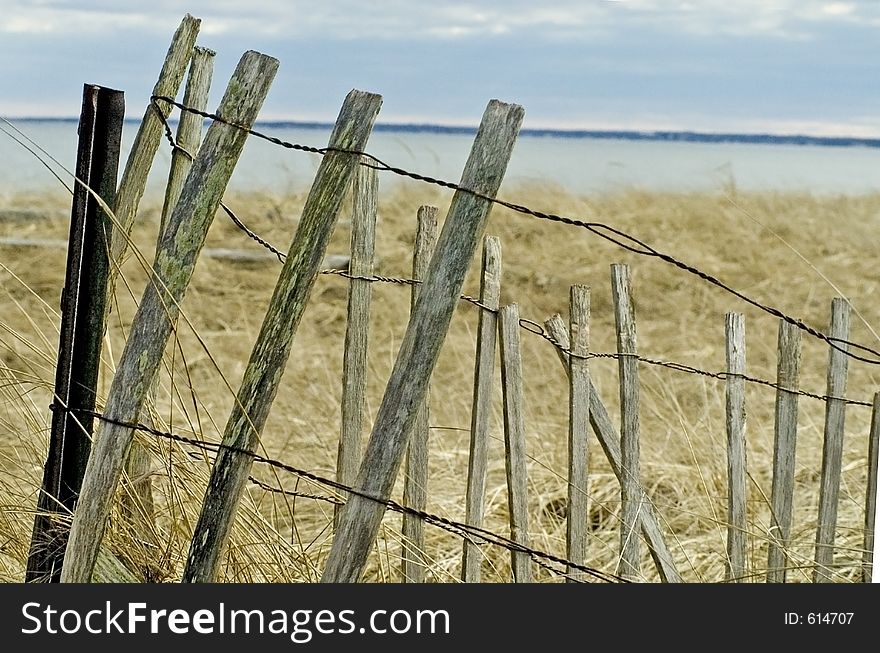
794	251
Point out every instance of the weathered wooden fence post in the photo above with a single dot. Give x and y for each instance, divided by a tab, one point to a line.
784	449
415	487
735	338
365	188
628	369
428	324
189	129
515	440
484	369
832	450
137	499
608	439
82	328
871	492
578	430
146	142
272	348
160	307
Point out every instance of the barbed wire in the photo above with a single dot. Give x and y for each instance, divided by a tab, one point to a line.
335	501
539	330
611	234
460	529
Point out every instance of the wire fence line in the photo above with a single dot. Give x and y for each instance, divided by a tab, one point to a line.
537	329
475	534
607	232
611	234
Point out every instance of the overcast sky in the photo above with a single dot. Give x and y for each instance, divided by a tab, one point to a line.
783	66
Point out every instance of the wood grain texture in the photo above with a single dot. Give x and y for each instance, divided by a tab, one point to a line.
605	431
481	411
871	493
159	307
578	431
365	191
146	141
832	448
272	348
415	484
735	340
784	450
137	496
424	337
628	370
189	129
515	457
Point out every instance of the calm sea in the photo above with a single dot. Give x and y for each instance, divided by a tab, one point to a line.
580	164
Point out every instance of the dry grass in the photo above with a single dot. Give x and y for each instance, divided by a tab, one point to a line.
789	250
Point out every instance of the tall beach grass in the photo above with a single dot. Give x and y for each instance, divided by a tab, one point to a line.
795	251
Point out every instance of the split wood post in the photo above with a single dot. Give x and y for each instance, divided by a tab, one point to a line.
832	449
272	348
784	449
365	189
146	143
484	371
871	492
578	431
628	369
735	338
189	129
159	307
428	324
83	308
137	499
515	440
415	486
610	442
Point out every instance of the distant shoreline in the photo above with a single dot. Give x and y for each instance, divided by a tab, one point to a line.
596	134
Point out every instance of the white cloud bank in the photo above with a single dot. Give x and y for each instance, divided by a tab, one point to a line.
395	19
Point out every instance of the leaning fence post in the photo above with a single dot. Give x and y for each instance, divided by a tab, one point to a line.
272	348
578	430
832	450
784	449
735	337
484	367
628	369
160	306
365	189
82	327
871	492
428	324
146	142
137	498
515	440
189	129
607	436
415	486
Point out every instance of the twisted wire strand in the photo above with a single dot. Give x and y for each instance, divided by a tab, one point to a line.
539	330
449	525
607	232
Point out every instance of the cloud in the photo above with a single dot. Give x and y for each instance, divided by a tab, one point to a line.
395	19
569	62
784	19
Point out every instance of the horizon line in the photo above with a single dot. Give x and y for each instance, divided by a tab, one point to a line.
670	135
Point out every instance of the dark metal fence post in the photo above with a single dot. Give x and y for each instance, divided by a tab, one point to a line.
82	329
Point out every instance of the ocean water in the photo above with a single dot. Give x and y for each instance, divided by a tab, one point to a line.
578	164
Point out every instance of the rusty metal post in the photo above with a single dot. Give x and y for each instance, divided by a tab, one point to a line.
82	329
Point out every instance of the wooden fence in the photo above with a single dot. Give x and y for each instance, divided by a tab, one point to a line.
399	436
